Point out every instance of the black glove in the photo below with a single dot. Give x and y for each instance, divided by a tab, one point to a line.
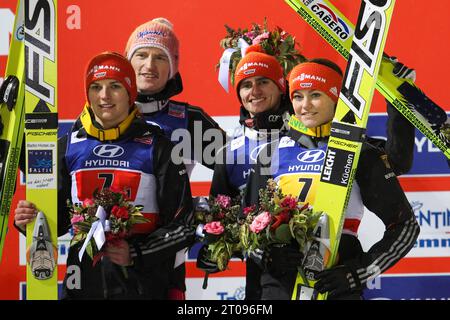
205	264
402	71
281	259
337	281
258	257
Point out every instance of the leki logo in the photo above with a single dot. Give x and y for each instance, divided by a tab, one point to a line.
336	24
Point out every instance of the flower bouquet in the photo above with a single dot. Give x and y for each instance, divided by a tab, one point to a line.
276	42
279	219
219	227
107	217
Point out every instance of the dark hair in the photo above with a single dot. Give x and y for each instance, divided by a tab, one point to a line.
328	63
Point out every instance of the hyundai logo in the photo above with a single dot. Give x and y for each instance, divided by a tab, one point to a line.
311	156
108	151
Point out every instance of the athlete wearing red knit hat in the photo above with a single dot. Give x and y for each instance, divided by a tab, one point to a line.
257	63
111	65
314	76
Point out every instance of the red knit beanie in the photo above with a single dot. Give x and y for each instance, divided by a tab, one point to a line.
112	65
257	63
314	76
156	33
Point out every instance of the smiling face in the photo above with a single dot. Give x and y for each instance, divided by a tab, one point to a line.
313	107
152	69
109	101
259	94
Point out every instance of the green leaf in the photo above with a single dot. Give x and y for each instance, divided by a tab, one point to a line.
90	250
243	235
83	226
223	260
77	238
220	253
282	234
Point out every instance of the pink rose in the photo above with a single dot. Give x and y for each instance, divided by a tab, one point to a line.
76	218
261	221
214	227
223	201
88	202
261	37
250	35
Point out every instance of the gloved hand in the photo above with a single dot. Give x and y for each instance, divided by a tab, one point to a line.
281	259
258	257
205	264
337	281
402	71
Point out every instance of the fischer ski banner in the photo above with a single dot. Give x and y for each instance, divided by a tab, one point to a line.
41	125
348	131
403	94
11	121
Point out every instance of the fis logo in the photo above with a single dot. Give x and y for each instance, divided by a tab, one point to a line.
40	31
336	24
364	52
